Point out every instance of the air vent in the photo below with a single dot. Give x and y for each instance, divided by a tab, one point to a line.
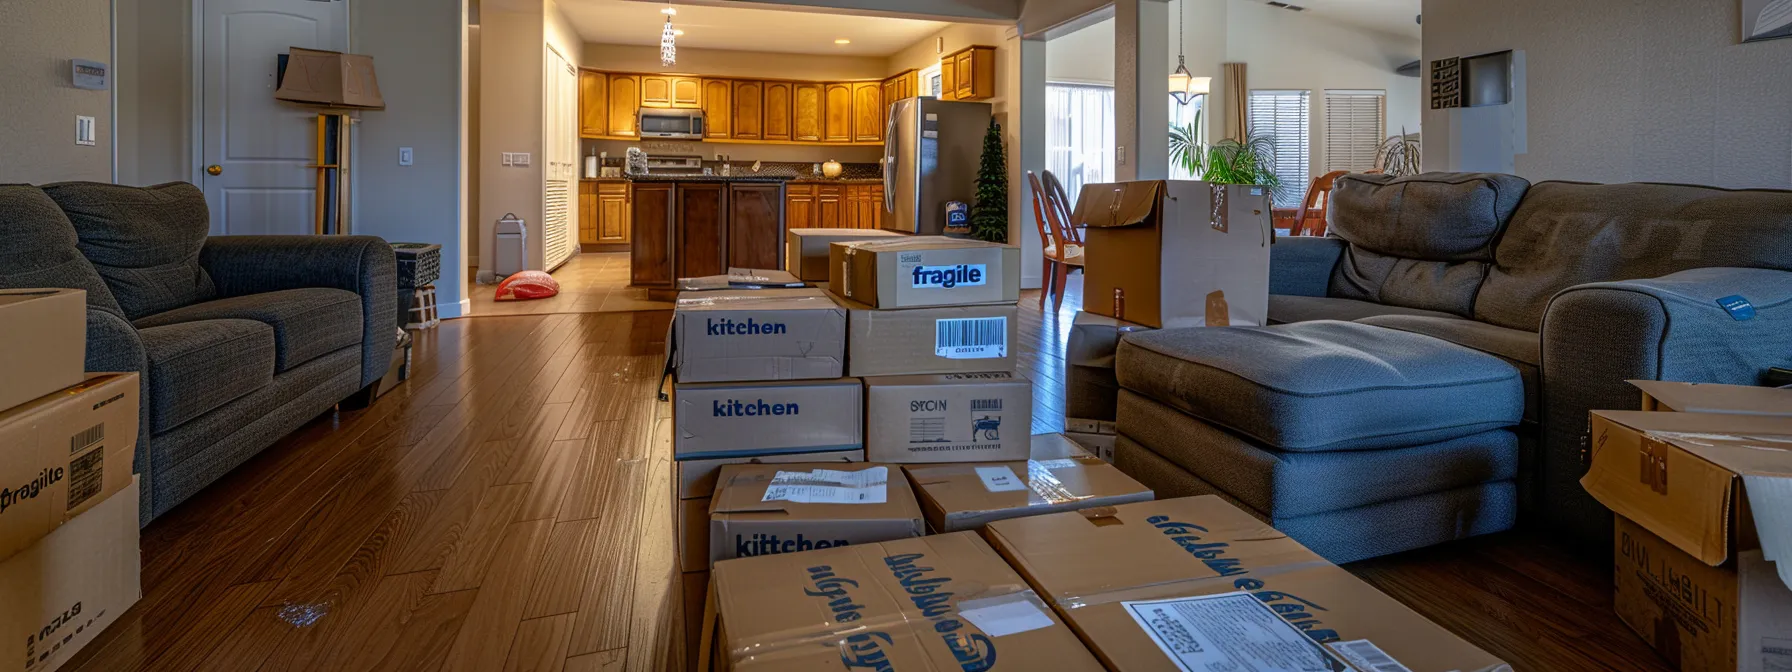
1284	5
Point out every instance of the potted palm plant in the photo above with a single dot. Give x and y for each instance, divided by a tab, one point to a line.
1227	161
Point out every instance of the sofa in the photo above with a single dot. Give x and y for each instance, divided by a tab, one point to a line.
238	340
1580	287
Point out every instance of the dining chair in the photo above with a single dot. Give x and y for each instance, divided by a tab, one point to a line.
1061	254
1309	218
1055	190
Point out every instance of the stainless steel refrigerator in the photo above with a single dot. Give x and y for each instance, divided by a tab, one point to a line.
931	151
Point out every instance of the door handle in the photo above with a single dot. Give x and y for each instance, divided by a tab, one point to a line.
214	170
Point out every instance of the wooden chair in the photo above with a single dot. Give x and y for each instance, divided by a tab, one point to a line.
1055	190
1061	254
1309	218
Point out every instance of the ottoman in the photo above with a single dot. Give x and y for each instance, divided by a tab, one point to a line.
1356	440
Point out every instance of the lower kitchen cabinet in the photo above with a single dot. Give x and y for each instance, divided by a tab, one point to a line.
612	213
834	206
755	226
697	229
702	225
799	206
650	254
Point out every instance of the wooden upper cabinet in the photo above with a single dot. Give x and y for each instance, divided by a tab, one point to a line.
656	91
948	79
594	106
687	92
970	73
777	111
867	112
624	103
749	112
718	108
807	109
839	124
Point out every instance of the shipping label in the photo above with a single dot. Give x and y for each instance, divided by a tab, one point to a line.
830	486
1229	631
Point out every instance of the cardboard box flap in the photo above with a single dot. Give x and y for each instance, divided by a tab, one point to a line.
761	299
1118	204
1714	398
911	243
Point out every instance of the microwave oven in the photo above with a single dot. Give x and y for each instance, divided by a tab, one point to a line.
676	124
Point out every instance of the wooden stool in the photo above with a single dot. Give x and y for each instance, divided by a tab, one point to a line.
423	309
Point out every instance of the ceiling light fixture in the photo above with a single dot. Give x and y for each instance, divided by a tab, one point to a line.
679	32
1183	85
843	41
669	40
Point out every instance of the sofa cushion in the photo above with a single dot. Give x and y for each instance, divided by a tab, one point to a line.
1521	349
1420	241
1567	234
38	247
144	241
1326	385
1284	309
195	367
307	323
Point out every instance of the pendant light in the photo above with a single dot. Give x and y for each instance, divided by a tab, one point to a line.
1184	86
668	40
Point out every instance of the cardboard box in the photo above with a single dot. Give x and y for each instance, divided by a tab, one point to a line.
1109	572
740	279
693	534
957	497
1665	396
1736	617
952	339
695	587
917	271
806	250
697	478
956	417
752	335
63	454
1100	443
765	509
944	602
716	420
330	78
1091	389
44	345
1175	253
60	593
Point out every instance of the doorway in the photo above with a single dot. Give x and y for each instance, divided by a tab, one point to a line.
255	154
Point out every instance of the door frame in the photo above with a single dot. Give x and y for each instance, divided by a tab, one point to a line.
196	99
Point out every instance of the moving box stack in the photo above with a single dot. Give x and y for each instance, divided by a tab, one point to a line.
68	501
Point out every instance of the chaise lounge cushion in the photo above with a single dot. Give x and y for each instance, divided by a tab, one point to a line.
1326	385
144	241
1284	309
195	367
1521	349
307	323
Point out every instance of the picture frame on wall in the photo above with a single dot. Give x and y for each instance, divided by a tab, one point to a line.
1766	19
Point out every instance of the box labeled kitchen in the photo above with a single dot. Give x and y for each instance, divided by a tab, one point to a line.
958	417
61	592
767	509
931	603
1135	580
945	339
1058	477
806	250
63	454
916	271
1172	253
44	345
717	420
768	334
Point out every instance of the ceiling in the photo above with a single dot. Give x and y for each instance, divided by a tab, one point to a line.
738	29
1388	16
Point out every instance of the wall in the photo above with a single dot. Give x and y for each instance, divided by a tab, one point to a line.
155	91
39	104
1083	57
1632	90
723	63
510	60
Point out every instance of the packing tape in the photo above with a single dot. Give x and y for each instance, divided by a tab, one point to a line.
859	640
707	301
1192	586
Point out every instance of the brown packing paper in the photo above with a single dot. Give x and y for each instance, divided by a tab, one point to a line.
1058	476
63	454
744	523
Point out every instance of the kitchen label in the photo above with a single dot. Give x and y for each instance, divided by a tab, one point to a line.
1231	631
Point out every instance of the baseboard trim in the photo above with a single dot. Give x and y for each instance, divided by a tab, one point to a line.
449	311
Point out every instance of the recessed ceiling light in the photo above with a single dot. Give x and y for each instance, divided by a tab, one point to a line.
669	11
678	31
843	41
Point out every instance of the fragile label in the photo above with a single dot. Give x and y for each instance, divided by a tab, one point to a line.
1000	479
829	486
1230	631
971	338
947	277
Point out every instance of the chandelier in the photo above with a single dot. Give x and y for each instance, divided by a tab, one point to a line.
668	40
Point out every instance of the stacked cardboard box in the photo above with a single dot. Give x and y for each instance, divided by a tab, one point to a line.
1057	476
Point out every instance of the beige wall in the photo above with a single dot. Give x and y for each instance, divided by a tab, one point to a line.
38	103
155	91
1083	57
723	63
1615	91
510	63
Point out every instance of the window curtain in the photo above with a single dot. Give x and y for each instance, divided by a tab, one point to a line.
1079	135
1238	101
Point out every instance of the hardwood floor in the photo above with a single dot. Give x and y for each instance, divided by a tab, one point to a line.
592	282
510	509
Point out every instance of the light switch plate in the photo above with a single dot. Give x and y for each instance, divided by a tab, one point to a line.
519	159
404	156
85	128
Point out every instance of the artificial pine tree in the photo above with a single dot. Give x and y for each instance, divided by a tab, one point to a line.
989	216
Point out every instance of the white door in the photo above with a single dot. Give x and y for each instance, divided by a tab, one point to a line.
257	152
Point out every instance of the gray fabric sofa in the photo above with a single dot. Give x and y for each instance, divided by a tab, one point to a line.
1578	286
238	340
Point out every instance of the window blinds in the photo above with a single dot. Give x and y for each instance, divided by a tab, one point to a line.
1283	115
1079	129
1355	123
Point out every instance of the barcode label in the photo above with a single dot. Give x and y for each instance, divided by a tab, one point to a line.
1367	656
86	475
987	405
86	438
971	338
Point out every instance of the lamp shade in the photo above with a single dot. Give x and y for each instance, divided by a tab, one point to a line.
1184	86
1199	86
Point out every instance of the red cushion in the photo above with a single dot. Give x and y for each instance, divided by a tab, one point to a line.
527	285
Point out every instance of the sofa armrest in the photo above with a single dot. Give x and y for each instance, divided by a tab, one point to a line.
113	346
1597	336
365	265
1302	265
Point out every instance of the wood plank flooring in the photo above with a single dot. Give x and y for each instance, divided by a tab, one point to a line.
509	509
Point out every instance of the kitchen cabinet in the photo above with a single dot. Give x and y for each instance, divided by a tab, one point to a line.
777	111
799	206
587	213
867	112
594	106
656	91
838	126
748	114
969	73
830	202
702	222
718	108
650	251
807	110
625	91
755	225
613	215
864	206
687	92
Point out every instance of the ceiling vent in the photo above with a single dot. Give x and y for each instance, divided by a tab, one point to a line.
1284	5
